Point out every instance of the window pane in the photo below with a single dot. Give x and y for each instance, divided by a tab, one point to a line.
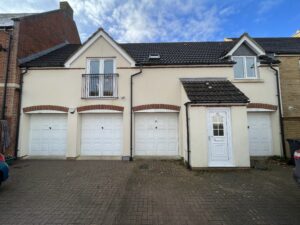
250	63
238	67
94	66
94	85
216	133
109	66
221	132
108	86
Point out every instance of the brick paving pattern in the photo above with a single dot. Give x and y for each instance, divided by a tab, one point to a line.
146	192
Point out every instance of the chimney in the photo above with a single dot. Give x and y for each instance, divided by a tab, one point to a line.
64	6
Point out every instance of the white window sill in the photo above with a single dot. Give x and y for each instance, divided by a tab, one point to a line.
247	81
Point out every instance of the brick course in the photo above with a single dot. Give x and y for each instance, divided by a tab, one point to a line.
45	107
156	106
262	106
99	107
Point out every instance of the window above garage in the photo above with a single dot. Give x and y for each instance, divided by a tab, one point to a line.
245	67
100	81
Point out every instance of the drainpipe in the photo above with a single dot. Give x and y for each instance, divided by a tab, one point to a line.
131	112
19	112
6	79
280	110
188	134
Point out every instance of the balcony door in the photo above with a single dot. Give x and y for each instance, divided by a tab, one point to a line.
101	81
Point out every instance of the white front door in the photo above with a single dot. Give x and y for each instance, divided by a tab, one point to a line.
219	136
260	134
48	135
156	134
101	134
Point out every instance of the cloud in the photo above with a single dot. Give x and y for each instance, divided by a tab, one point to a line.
139	20
151	20
267	5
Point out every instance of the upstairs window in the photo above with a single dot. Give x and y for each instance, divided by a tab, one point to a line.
245	67
100	80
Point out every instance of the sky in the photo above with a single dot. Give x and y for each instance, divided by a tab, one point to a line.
174	20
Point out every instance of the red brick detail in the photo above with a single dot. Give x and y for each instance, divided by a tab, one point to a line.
156	106
45	107
99	107
262	106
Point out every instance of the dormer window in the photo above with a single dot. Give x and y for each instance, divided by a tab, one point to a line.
245	67
154	56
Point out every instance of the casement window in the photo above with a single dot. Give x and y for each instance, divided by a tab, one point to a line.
245	67
101	79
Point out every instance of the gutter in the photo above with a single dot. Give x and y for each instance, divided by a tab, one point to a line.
19	113
188	134
280	110
131	111
6	79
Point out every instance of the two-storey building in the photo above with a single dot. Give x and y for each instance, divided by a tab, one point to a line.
212	103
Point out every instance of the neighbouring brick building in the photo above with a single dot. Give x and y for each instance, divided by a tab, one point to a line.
23	37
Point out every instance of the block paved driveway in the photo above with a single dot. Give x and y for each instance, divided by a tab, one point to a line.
145	192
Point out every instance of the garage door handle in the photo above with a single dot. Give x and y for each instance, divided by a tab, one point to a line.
102	128
155	127
50	128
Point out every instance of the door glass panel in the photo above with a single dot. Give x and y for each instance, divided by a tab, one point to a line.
108	84
218	125
94	78
250	64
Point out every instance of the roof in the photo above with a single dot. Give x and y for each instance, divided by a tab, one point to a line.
55	58
284	45
179	53
213	91
174	53
6	18
278	45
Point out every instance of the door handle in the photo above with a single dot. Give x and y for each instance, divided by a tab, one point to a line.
102	128
155	127
50	128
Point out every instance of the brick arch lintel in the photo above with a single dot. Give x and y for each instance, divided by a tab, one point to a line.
262	106
100	107
156	106
45	107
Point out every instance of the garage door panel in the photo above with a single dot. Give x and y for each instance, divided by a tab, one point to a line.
156	134
48	134
101	134
260	134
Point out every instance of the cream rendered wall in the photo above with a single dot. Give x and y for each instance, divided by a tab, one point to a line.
199	136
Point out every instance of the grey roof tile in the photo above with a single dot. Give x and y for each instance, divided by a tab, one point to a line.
213	91
55	58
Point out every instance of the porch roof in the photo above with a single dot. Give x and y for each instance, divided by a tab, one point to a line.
213	91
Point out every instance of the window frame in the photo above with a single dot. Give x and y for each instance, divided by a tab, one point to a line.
246	77
101	78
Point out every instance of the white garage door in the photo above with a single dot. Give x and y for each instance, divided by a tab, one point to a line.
156	134
48	135
101	134
260	134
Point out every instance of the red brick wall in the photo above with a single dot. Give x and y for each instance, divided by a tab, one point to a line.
43	31
4	42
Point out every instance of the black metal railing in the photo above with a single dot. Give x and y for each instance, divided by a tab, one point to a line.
100	85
